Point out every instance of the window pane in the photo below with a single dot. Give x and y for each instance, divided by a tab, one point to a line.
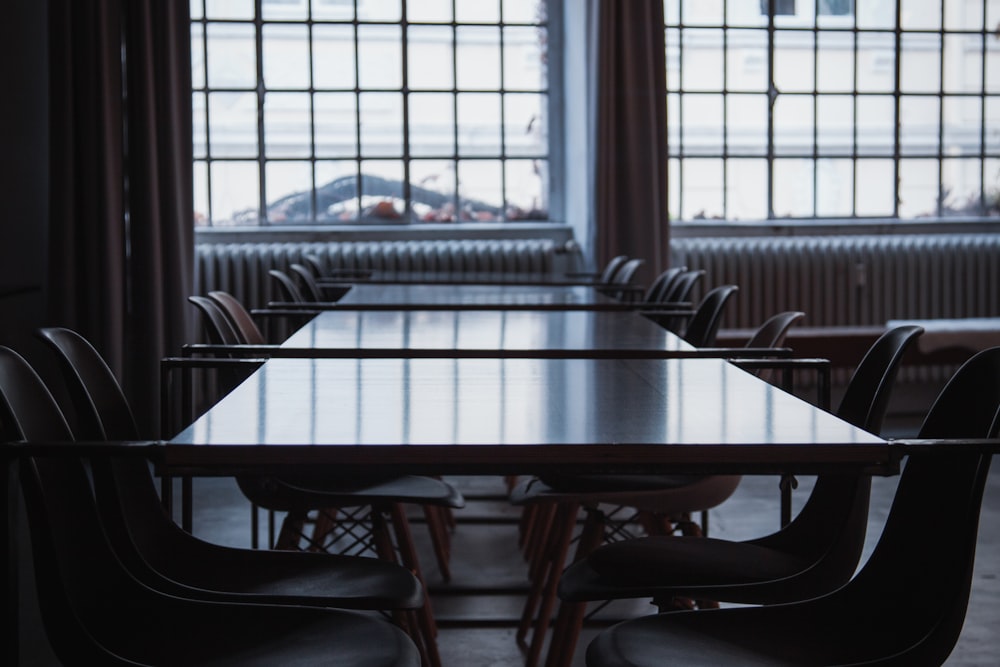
289	192
336	191
380	57
876	14
963	63
525	130
478	58
793	188
479	190
229	9
926	16
746	189
793	61
382	192
523	11
526	188
920	68
200	191
479	124
918	125
196	7
674	188
702	12
673	124
431	58
286	56
232	129
876	124
429	11
235	193
991	188
993	70
381	116
197	56
918	188
432	122
333	10
524	58
747	61
287	125
793	124
701	124
703	184
835	124
834	188
992	125
199	136
961	187
432	188
477	11
876	62
380	10
963	121
336	124
746	124
232	57
333	57
876	183
835	66
284	10
702	56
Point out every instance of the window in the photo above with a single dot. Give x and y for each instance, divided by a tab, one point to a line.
349	111
836	110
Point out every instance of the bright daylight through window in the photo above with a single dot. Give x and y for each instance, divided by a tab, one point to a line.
362	111
833	109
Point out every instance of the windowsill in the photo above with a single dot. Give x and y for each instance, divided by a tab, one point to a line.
832	227
559	233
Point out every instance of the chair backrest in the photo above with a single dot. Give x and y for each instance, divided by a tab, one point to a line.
774	330
289	290
102	411
916	583
866	398
314	264
77	576
239	317
611	268
683	286
704	324
310	289
217	326
626	274
663	284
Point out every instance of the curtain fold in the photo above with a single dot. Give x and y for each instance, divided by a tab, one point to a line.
121	230
630	179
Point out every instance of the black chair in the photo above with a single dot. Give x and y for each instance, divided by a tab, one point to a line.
605	275
96	612
817	552
312	290
703	326
907	604
290	292
663	284
621	285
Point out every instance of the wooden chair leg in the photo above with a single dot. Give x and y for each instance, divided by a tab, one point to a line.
408	558
440	540
291	531
566	631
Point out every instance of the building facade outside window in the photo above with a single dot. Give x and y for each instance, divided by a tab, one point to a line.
339	112
833	109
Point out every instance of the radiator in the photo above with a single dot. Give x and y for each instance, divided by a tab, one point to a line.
241	268
850	280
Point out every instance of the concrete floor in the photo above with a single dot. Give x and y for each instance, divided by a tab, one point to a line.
478	630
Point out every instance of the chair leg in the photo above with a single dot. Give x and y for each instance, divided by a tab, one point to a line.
408	557
566	631
291	530
437	526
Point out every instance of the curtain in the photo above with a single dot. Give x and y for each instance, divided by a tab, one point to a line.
630	177
121	235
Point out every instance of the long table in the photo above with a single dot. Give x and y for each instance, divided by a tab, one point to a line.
499	416
475	297
485	333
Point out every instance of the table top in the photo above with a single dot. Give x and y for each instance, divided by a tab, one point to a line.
497	416
476	297
462	333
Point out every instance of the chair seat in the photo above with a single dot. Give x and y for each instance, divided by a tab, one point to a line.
674	494
642	566
307	493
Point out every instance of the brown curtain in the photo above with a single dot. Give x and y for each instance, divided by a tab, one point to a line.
630	180
121	230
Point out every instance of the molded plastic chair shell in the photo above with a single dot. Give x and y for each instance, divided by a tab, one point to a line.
95	612
927	545
703	326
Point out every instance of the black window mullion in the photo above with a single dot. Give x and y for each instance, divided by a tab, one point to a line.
456	197
261	91
205	92
983	204
725	111
815	98
359	184
313	195
772	96
941	100
405	48
897	94
503	117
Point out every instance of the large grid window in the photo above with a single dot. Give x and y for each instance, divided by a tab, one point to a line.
377	111
833	108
